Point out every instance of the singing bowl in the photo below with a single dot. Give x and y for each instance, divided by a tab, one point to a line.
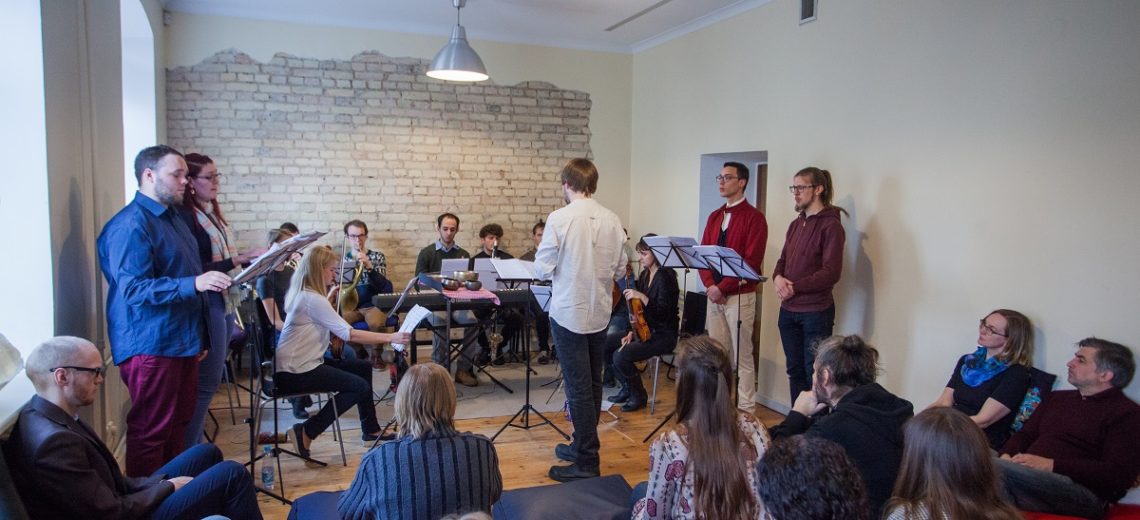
465	276
451	285
473	285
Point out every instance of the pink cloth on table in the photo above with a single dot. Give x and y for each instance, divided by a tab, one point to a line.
465	294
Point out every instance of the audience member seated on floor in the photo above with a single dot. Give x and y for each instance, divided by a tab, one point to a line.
1078	451
431	470
947	471
658	292
865	418
990	384
703	466
301	365
62	469
810	478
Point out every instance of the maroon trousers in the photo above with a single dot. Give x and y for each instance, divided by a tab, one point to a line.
163	395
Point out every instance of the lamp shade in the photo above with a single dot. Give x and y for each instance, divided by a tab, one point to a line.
457	61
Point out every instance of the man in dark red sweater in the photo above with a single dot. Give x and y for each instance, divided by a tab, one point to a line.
808	269
1078	451
741	227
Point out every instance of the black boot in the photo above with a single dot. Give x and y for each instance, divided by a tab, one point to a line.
621	396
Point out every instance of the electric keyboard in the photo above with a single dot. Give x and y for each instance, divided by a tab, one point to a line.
434	301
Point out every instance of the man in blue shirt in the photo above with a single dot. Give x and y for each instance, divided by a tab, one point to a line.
155	309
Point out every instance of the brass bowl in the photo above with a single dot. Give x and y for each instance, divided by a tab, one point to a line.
450	284
465	276
473	285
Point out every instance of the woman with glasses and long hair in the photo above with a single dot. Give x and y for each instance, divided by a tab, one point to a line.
947	472
431	470
989	384
704	466
657	290
301	365
217	248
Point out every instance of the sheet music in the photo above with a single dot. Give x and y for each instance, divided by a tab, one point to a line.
276	255
411	320
542	295
513	268
728	263
451	265
488	275
675	252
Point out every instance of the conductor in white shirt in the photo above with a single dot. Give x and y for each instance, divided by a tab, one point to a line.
581	251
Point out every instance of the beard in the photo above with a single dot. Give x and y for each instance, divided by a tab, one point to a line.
168	196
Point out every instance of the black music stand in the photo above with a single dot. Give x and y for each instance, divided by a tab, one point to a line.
674	252
261	266
527	407
468	338
728	263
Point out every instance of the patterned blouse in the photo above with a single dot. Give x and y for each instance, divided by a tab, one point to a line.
670	492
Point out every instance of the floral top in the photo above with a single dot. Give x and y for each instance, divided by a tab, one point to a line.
670	492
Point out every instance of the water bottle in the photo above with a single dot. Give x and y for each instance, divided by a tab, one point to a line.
268	472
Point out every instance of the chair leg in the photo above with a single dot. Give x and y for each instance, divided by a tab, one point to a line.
656	371
337	433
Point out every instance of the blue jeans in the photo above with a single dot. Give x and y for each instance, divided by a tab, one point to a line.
1042	491
351	379
440	349
582	356
799	332
220	487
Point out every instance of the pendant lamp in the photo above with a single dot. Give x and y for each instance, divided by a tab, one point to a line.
457	61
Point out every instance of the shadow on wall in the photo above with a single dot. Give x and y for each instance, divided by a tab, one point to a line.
884	258
74	273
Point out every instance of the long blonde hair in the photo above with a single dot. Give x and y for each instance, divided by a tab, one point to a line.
425	402
309	275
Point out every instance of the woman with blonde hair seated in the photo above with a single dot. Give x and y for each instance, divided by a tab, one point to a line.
703	466
300	365
430	470
989	384
947	472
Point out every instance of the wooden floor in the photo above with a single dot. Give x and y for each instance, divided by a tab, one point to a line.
525	455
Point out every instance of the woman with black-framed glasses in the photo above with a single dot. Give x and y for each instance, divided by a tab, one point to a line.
989	384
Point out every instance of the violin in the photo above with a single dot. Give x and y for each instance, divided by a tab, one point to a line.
637	317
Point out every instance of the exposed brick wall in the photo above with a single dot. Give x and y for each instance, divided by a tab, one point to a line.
320	142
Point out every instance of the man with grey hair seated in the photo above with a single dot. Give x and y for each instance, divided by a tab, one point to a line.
65	470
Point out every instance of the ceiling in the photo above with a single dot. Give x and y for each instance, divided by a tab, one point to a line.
575	24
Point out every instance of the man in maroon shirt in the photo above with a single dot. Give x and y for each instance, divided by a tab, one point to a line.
741	227
1078	452
808	269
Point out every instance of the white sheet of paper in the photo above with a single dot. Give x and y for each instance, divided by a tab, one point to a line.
514	269
487	274
450	265
411	320
542	295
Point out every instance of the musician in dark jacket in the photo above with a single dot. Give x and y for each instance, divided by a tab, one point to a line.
658	291
65	471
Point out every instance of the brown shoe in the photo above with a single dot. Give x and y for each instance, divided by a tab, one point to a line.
466	378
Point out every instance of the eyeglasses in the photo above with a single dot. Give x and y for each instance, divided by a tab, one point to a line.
98	371
725	178
982	326
354	237
798	189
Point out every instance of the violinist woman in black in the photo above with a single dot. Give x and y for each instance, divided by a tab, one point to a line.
657	291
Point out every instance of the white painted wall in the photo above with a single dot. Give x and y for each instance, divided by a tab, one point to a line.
987	152
606	76
25	316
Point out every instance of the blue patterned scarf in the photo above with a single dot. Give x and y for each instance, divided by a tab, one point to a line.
977	369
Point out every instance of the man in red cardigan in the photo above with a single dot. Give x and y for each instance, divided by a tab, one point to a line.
740	226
